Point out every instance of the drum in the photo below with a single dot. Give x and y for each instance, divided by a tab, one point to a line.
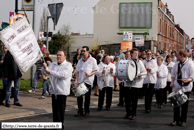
177	98
80	90
126	70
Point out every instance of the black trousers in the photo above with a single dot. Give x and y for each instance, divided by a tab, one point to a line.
108	97
2	93
87	101
131	99
159	96
149	91
121	93
166	89
181	116
58	107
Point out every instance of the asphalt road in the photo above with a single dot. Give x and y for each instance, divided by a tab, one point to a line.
158	119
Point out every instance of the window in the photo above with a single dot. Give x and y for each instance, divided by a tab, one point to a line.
135	15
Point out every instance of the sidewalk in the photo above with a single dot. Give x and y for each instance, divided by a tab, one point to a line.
34	106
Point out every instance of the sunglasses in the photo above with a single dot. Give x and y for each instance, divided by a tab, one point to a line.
83	51
149	54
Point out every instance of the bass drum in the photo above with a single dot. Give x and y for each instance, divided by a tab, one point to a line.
126	70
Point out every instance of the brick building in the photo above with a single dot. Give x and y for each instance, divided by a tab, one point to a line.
170	34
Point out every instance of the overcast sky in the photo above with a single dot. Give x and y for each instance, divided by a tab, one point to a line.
78	14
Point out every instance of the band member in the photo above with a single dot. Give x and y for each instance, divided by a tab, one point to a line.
105	81
60	74
85	70
192	46
182	78
150	80
121	83
169	64
131	88
162	74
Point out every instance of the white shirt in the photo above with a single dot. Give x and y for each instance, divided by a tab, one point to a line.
151	77
107	79
169	67
187	72
60	76
162	78
138	83
88	66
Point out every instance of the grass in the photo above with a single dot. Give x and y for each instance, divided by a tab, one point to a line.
24	85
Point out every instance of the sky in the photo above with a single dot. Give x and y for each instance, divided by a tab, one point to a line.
79	15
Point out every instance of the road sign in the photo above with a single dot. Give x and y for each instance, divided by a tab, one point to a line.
27	5
139	41
55	11
127	36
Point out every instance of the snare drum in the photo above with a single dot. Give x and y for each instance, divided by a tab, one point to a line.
126	70
80	90
177	98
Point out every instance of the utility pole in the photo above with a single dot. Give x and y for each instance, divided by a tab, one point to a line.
16	6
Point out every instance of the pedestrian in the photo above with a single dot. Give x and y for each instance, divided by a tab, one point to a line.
169	64
42	46
11	73
3	91
150	80
60	74
45	85
85	71
120	55
116	82
160	85
105	82
131	89
121	83
77	57
183	70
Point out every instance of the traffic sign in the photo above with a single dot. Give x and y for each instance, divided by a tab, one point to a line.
55	11
27	5
127	36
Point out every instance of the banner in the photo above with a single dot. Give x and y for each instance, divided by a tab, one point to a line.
139	41
20	40
125	45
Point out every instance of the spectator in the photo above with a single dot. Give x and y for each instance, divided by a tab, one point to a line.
157	54
116	82
99	59
37	75
42	46
93	54
2	96
120	55
77	57
169	51
48	61
173	56
111	59
102	52
115	53
11	72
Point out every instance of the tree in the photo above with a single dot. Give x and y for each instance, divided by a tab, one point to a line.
43	20
67	39
61	40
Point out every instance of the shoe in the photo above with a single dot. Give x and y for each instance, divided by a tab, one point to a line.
183	124
147	111
18	104
42	97
7	105
160	106
126	116
107	108
132	118
174	123
115	90
1	103
99	109
78	115
96	94
87	114
31	91
193	116
120	104
156	105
